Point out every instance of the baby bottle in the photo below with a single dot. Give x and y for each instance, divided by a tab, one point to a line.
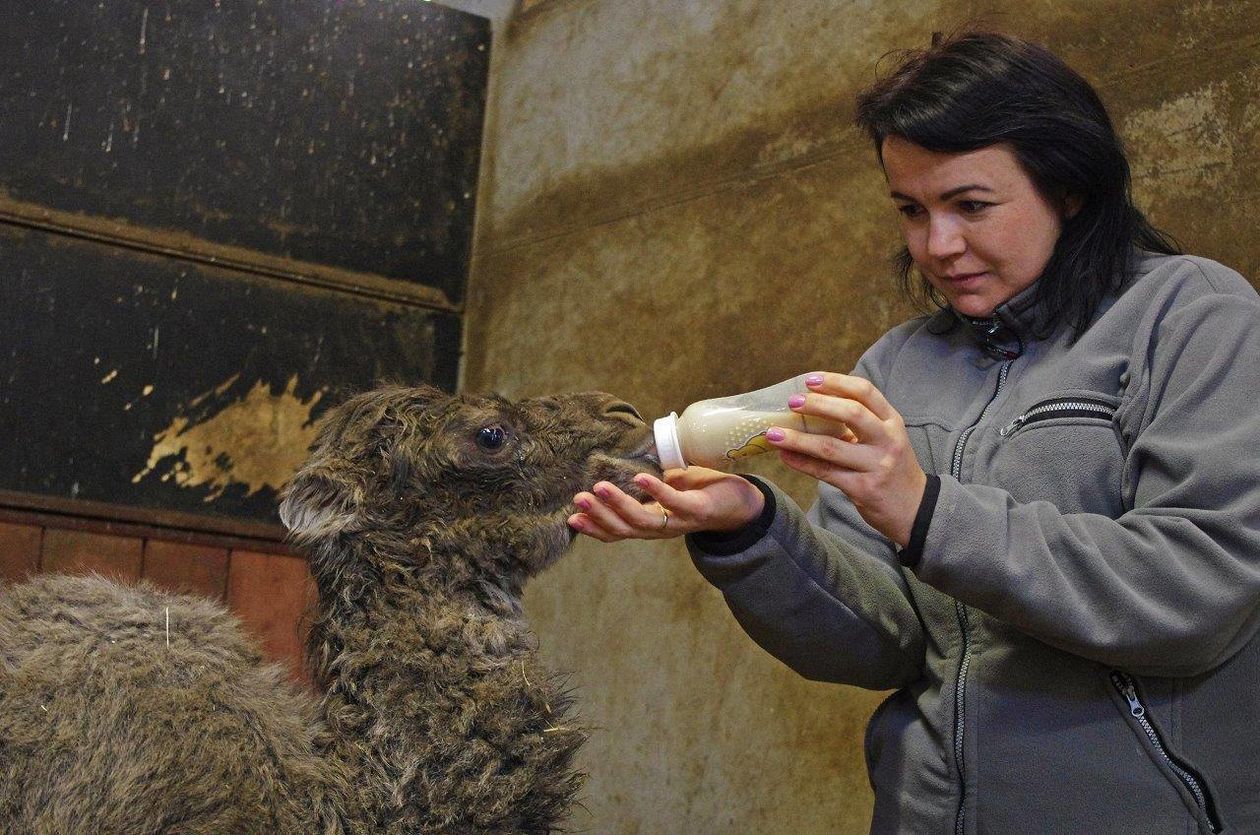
714	433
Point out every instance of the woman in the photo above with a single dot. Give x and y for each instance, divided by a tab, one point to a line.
1044	528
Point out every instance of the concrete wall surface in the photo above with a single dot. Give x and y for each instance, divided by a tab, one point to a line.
674	205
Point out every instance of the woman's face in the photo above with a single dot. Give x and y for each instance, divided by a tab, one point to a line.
976	226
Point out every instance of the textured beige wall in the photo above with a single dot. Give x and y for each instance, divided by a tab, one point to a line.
674	206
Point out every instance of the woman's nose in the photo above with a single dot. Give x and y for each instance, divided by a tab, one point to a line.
944	239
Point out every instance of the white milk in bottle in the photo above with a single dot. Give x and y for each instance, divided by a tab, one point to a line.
714	433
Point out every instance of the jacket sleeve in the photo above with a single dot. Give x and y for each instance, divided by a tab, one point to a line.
1172	586
823	593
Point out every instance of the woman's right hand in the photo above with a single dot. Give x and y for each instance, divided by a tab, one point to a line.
686	501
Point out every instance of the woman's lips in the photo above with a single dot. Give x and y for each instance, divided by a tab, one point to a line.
963	278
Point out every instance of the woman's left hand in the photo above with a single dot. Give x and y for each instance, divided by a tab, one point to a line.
873	463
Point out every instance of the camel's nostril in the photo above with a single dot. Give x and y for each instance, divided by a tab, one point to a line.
647	449
621	407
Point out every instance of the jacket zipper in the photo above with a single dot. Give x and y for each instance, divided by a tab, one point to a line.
1063	407
1126	687
964	626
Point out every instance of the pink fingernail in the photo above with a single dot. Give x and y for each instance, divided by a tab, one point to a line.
775	435
814	380
796	401
602	492
585	504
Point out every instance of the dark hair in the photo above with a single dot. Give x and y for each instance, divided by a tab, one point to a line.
976	89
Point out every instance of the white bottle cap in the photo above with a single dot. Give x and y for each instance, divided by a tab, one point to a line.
668	446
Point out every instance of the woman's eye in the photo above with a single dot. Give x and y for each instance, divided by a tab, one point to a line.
909	210
972	206
491	438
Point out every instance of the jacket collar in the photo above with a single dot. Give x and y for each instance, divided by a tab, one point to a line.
1003	335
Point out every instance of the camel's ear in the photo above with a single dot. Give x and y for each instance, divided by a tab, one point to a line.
316	505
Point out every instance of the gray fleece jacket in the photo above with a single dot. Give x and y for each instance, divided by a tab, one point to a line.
1075	649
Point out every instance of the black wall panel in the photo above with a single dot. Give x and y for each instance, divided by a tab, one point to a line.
217	219
344	133
137	380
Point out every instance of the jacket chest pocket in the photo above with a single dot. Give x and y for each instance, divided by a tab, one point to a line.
1065	450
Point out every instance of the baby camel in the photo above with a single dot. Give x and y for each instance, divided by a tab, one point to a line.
422	515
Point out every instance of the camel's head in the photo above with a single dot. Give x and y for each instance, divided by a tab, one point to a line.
476	487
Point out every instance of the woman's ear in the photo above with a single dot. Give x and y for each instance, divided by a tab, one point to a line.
1071	205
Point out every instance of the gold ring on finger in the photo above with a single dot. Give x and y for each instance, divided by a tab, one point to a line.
664	518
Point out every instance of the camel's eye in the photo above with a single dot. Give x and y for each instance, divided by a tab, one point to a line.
491	438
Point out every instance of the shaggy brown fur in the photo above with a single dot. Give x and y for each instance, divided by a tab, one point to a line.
422	515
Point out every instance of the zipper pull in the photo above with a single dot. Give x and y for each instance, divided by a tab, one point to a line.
1126	688
1013	425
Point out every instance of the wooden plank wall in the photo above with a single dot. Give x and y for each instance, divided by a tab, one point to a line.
268	591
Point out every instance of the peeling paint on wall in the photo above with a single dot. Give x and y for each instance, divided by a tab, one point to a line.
1185	142
257	442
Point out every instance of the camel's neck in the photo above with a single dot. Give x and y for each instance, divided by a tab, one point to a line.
414	609
407	633
438	708
411	630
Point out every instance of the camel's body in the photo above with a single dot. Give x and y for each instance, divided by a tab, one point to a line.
127	721
435	715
